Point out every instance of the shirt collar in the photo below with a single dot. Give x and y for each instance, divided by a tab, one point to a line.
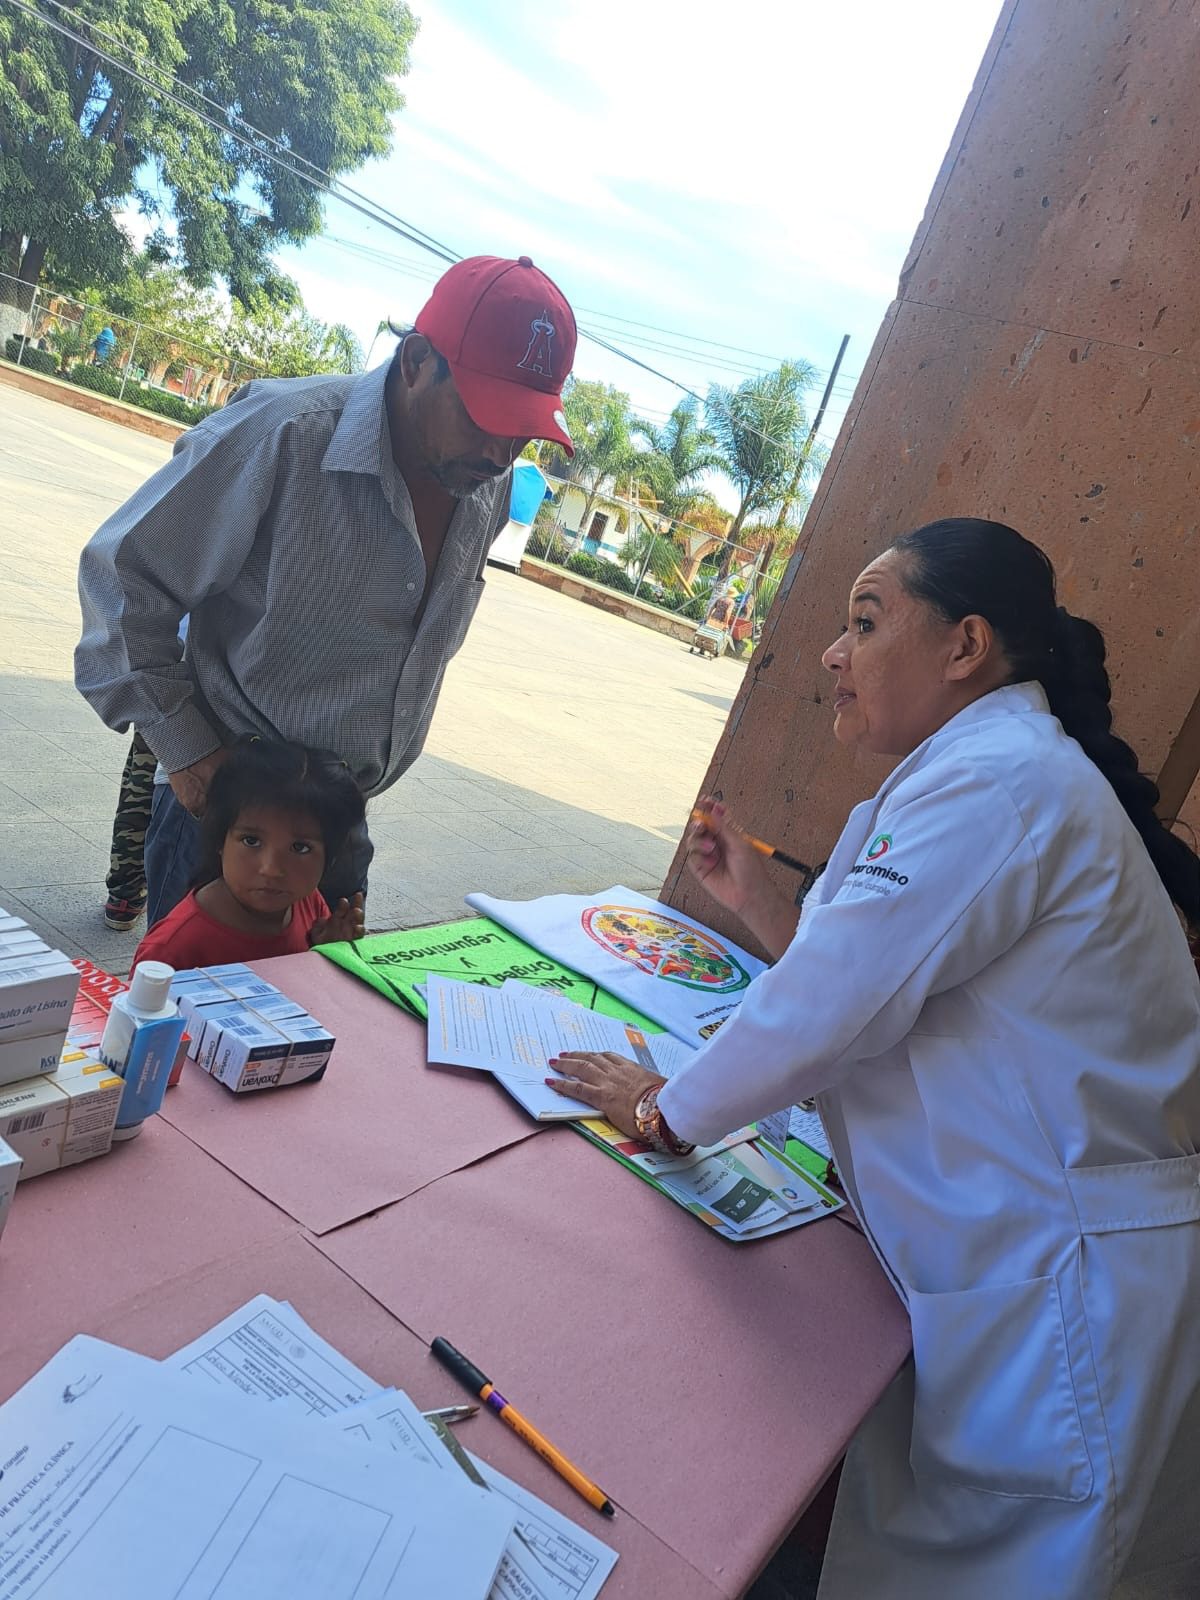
1013	700
361	441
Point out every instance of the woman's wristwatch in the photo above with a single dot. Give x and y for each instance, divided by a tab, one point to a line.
652	1130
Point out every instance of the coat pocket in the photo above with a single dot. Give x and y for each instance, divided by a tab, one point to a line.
995	1406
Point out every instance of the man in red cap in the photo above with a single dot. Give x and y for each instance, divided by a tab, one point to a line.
327	537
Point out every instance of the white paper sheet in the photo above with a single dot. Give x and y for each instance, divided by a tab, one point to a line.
548	1557
515	1030
124	1479
267	1351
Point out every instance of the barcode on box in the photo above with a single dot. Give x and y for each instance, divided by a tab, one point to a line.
25	1124
246	1029
15	974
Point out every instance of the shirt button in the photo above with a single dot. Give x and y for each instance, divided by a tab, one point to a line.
411	586
404	713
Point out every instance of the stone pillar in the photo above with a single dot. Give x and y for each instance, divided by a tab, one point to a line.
1038	366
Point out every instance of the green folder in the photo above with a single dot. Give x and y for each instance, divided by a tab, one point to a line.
476	950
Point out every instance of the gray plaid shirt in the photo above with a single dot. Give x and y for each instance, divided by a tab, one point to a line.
283	527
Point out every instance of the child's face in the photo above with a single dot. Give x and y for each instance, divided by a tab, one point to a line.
271	859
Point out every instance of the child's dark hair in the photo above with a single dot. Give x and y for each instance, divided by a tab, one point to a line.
285	777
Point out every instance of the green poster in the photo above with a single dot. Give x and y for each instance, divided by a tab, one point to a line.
477	950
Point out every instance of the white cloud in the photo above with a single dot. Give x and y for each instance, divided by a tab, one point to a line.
750	175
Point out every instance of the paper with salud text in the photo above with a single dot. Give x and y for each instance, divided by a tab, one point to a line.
124	1478
666	965
515	1031
266	1351
546	1557
474	949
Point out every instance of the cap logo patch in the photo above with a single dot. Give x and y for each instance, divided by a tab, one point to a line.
537	356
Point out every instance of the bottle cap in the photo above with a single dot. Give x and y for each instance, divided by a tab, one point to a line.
130	1132
151	986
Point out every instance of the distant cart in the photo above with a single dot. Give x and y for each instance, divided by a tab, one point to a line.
711	638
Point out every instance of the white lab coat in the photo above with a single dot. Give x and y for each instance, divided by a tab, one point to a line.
990	994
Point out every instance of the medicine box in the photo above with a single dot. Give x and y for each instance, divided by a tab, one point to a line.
54	1122
248	1035
38	986
10	1171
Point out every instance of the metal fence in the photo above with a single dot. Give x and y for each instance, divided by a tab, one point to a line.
48	330
645	544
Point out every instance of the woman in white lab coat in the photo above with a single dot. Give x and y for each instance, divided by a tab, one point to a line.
990	993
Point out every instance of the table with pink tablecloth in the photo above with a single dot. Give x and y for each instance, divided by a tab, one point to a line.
709	1387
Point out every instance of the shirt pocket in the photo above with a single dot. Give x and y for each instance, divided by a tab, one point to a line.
995	1406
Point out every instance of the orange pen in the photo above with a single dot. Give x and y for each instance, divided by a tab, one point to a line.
707	819
469	1375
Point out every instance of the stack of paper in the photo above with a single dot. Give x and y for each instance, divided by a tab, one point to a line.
739	1190
514	1031
176	1481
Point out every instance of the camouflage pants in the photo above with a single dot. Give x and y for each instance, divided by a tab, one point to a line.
127	865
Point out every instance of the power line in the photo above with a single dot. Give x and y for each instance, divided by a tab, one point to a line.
317	178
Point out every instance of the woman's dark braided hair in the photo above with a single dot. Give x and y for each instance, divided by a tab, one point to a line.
965	566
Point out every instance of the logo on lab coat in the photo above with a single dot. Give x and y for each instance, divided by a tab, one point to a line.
880	845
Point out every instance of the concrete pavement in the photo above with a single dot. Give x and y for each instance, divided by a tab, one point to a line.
565	754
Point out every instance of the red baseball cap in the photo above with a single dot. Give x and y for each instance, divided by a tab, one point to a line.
509	337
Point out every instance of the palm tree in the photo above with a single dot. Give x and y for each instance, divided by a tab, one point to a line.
760	429
686	451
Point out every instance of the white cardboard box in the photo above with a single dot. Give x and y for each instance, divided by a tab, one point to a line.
36	995
10	1172
23	1058
248	1053
54	1122
311	1048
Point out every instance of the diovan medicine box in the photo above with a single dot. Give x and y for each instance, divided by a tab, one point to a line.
247	1034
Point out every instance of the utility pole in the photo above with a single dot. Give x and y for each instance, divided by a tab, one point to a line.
789	499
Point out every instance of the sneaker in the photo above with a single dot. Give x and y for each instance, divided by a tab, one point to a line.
122	914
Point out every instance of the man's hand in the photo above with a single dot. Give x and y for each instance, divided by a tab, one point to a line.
346	921
191	783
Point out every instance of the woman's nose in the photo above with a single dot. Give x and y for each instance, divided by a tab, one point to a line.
834	658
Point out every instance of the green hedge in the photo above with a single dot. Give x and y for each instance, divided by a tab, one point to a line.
36	360
102	379
105	381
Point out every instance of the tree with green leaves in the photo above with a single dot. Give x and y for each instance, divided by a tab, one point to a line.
760	428
82	138
600	422
682	451
288	342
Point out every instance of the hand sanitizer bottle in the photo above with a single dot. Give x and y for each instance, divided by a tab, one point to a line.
140	1043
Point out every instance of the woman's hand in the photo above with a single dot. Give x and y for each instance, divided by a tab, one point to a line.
735	873
610	1083
720	858
345	921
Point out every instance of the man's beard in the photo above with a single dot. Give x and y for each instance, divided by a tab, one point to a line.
461	478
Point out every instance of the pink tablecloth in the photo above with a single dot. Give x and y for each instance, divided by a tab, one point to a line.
709	1387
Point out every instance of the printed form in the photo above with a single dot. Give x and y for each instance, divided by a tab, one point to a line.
547	1556
126	1479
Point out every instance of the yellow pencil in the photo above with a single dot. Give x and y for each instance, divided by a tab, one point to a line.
469	1375
707	820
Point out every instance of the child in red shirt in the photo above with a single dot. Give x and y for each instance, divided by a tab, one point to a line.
275	814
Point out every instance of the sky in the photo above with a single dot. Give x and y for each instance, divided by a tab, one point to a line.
749	175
